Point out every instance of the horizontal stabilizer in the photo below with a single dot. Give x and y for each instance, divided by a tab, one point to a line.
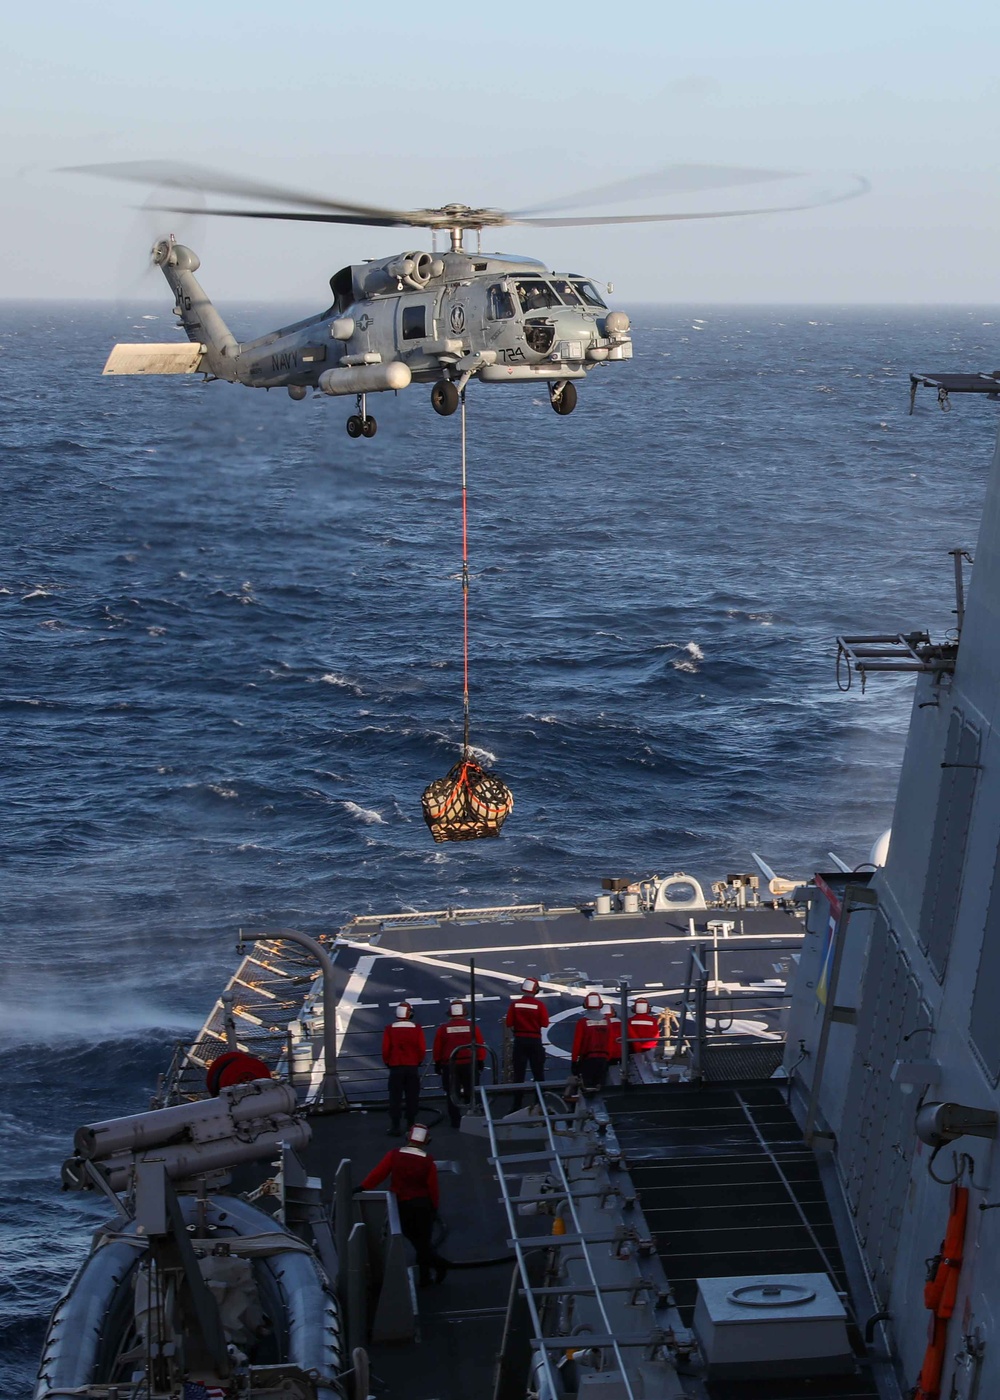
173	357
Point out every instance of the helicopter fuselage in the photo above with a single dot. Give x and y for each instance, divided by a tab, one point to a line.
414	318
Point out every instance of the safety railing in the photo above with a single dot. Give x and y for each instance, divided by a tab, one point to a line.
715	1015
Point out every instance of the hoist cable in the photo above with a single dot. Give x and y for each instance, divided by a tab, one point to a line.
465	592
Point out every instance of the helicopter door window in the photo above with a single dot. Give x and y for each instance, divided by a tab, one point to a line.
535	295
501	304
414	322
566	292
590	294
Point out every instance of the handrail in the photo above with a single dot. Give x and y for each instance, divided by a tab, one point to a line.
576	1237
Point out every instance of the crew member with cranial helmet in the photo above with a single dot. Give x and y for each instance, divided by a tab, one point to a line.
413	1179
592	1043
527	1017
452	1056
403	1050
643	1027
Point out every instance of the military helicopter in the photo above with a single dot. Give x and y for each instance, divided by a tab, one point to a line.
417	317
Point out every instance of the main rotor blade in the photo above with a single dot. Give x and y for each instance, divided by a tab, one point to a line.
367	220
672	179
862	187
195	177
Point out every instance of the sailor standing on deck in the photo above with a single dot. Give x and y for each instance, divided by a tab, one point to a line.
413	1180
592	1043
403	1050
452	1056
643	1028
527	1017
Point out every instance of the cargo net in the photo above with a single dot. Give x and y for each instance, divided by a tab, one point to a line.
467	804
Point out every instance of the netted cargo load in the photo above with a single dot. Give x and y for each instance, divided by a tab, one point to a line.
467	804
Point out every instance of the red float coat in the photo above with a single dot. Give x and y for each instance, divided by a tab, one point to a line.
614	1038
527	1016
591	1038
412	1173
643	1033
457	1030
403	1043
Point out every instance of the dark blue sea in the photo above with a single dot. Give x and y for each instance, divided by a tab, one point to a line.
231	661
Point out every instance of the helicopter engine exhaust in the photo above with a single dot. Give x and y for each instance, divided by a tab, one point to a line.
365	379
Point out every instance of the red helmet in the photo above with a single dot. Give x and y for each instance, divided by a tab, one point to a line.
419	1135
530	985
641	1006
593	1001
404	1011
457	1008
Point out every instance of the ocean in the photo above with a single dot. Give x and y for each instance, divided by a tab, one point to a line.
230	640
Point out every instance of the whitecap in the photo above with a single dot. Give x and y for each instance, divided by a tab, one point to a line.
482	755
36	593
364	814
341	682
225	792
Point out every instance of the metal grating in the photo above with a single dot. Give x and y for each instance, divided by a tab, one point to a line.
728	1187
726	1063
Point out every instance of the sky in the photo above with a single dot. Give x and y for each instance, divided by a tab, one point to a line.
416	105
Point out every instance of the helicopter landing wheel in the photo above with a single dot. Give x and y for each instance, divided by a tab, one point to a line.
444	398
563	397
369	427
355	425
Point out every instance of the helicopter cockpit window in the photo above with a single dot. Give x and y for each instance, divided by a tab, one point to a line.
566	292
414	323
501	303
590	294
535	295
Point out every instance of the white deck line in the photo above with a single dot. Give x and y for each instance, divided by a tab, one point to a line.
678	938
346	1007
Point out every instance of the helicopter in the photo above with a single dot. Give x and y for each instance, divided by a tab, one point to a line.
416	317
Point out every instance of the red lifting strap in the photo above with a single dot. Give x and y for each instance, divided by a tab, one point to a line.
940	1294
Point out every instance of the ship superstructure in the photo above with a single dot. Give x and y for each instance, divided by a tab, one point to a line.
894	1034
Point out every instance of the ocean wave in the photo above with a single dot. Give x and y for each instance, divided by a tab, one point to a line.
368	815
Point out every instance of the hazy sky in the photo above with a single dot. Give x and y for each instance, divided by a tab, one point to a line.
503	105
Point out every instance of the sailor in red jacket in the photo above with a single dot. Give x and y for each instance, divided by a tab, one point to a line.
592	1043
452	1056
403	1050
527	1017
643	1027
413	1180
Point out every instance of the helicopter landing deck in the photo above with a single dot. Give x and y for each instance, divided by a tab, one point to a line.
570	953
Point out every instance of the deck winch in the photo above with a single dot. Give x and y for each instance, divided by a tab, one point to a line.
468	802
